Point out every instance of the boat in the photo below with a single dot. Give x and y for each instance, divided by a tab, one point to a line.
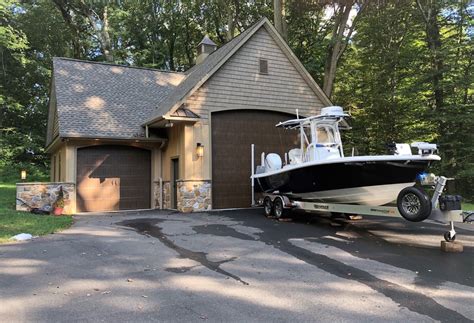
319	171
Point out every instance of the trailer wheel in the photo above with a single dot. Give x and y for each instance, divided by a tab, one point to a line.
414	204
268	206
278	208
449	237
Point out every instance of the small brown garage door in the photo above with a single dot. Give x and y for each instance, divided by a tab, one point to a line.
113	178
232	134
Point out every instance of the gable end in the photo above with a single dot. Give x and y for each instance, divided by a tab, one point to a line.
242	84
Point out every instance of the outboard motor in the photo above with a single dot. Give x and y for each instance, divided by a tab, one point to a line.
272	162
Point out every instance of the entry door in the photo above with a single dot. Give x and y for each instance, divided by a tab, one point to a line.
174	178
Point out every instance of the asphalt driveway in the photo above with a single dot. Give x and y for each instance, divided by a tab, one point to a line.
237	266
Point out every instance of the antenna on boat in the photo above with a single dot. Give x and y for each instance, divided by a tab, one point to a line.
301	134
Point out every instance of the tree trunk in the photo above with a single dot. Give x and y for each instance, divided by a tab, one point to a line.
66	14
335	48
277	15
433	41
284	25
279	18
171	53
188	48
230	23
106	44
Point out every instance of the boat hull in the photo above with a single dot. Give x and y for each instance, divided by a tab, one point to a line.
365	195
361	182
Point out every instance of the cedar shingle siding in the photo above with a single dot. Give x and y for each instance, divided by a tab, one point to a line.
239	85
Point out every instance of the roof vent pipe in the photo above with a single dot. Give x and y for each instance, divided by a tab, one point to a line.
204	48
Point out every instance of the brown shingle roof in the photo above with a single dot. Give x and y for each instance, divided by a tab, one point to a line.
106	100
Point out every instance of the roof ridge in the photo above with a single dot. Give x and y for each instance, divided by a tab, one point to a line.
115	64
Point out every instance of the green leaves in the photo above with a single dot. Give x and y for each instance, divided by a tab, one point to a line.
387	77
390	77
13	41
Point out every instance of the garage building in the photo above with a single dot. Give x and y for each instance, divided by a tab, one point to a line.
138	138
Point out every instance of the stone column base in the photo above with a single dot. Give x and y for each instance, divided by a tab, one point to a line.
194	196
166	195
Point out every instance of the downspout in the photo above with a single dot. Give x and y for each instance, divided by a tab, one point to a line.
161	173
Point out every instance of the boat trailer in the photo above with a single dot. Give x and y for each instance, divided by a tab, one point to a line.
441	208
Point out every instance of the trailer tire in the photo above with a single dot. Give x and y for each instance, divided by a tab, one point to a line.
414	204
279	208
448	237
268	206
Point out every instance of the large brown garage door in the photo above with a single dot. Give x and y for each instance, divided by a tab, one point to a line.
113	178
232	134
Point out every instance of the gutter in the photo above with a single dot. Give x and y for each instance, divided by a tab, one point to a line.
58	139
136	139
165	117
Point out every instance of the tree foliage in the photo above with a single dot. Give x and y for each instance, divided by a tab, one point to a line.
403	68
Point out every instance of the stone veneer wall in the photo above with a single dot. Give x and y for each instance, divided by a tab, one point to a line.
166	194
39	195
194	196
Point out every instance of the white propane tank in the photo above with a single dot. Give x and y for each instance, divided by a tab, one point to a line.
272	162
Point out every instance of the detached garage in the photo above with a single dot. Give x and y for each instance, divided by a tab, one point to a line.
137	138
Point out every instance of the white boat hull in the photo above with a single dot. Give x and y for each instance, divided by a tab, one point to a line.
365	195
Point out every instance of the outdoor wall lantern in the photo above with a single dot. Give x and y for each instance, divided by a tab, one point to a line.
199	149
23	175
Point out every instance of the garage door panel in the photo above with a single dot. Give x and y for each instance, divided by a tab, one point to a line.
113	178
232	134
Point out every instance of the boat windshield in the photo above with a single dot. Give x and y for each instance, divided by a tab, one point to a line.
325	135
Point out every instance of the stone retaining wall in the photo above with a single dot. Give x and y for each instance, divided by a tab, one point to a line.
39	195
194	196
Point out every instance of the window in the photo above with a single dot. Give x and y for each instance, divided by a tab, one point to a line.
263	66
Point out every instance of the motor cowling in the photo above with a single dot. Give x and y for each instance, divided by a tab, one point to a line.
272	162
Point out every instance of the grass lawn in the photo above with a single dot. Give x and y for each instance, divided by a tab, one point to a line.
13	222
468	206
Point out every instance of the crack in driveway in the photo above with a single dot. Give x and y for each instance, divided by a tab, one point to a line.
150	227
279	239
412	300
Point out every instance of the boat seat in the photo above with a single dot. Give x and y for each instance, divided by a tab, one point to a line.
295	156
